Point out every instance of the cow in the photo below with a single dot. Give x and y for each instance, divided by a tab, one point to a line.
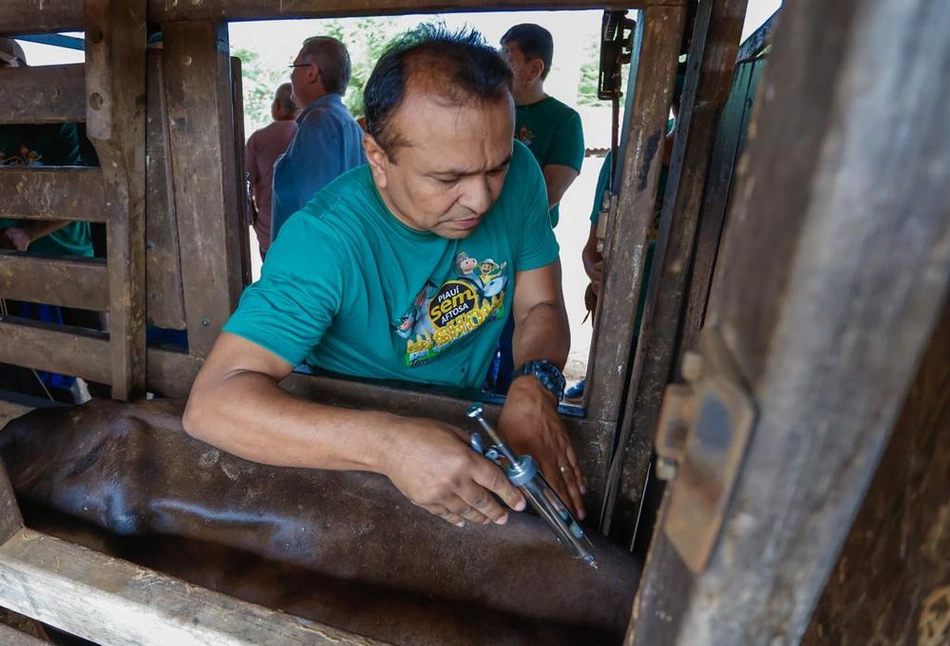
341	548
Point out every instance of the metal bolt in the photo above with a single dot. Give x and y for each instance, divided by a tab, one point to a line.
205	322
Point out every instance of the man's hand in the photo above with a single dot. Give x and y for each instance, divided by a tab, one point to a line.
18	238
530	423
434	467
596	275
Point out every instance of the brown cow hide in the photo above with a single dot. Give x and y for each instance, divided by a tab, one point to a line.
342	548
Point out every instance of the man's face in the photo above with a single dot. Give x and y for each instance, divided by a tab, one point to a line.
453	167
300	75
523	70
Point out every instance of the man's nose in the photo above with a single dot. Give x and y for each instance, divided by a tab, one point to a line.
476	194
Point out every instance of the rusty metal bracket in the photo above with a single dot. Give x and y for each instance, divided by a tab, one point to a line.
702	434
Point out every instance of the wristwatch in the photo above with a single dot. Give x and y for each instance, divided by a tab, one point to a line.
548	374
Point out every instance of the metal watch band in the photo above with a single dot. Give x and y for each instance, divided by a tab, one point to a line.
548	374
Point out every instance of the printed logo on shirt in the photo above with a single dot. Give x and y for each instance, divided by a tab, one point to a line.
442	315
525	136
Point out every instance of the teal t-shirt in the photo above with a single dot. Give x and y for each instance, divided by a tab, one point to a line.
553	133
350	289
46	145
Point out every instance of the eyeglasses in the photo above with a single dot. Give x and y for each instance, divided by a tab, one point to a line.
293	65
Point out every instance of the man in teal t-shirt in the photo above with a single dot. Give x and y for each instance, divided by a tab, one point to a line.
407	269
43	145
550	129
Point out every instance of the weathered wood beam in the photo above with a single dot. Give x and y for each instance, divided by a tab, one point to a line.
39	16
656	49
711	61
199	112
11	521
62	349
165	304
890	582
20	17
49	94
52	194
115	87
723	181
70	282
111	601
757	40
171	373
834	270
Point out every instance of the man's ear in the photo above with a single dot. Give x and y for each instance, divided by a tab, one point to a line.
378	160
536	68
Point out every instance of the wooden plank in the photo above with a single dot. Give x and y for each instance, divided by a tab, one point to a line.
111	601
893	572
39	16
832	277
165	304
115	85
70	282
49	94
711	58
171	373
12	637
20	17
199	109
161	10
10	519
233	169
62	349
52	194
722	170
656	46
242	224
757	40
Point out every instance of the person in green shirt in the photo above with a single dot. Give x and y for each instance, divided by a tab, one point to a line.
40	145
407	269
550	129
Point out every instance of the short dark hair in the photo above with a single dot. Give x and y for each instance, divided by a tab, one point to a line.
332	58
284	97
458	67
533	41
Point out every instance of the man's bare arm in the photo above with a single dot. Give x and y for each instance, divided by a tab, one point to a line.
558	179
541	326
236	405
529	418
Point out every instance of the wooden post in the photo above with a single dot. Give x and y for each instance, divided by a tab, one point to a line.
242	219
834	270
10	520
892	578
115	93
198	93
656	46
711	60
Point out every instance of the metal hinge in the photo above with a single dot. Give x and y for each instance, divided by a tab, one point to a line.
702	434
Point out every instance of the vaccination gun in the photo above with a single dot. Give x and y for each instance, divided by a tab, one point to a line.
523	472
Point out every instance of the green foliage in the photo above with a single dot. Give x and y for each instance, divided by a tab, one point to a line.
260	81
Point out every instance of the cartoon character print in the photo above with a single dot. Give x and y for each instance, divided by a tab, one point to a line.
414	322
525	135
442	316
491	278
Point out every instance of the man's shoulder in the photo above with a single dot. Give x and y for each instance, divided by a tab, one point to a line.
563	111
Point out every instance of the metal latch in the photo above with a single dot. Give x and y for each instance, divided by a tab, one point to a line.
702	434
